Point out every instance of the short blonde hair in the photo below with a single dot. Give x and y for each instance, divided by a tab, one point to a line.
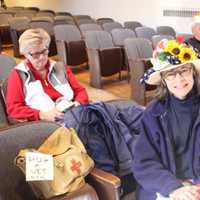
195	22
32	38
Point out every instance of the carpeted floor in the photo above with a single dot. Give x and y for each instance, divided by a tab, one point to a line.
96	95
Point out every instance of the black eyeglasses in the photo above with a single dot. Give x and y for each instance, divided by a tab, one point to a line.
36	55
171	75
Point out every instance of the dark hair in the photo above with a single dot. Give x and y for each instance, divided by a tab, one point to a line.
162	90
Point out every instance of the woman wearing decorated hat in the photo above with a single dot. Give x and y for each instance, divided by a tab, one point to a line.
167	153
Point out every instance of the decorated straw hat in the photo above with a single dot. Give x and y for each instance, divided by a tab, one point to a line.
170	54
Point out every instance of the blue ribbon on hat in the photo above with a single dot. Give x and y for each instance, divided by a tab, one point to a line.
172	59
146	75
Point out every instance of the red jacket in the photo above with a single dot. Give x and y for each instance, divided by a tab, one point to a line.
15	98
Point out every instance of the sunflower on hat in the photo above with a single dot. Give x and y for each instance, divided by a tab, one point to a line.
178	51
187	54
168	55
172	47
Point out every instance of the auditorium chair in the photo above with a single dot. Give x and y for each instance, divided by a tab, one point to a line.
3	115
77	17
28	135
138	51
110	26
63	13
104	20
85	21
145	32
157	38
15	8
100	184
166	30
132	25
6	65
26	13
5	28
17	26
89	27
104	58
0	46
45	13
32	8
70	45
63	19
118	36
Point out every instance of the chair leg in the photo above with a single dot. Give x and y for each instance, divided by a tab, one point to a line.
120	75
128	74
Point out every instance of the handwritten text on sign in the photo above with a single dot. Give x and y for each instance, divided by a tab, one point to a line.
39	166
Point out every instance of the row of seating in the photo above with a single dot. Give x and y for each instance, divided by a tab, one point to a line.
85	24
18	9
8	23
106	23
18	24
105	59
103	49
106	52
110	57
84	19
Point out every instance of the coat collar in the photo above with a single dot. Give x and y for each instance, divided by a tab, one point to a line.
23	66
158	108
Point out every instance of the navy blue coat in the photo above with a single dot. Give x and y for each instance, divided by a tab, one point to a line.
154	161
108	133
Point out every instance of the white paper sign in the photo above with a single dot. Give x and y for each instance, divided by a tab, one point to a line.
39	166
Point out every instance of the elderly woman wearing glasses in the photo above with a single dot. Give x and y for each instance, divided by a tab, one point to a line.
167	152
37	84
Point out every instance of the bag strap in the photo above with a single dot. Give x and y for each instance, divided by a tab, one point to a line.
60	140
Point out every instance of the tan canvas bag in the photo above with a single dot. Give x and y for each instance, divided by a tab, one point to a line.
71	163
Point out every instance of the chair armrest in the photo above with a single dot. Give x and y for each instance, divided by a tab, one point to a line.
86	192
106	185
109	48
3	125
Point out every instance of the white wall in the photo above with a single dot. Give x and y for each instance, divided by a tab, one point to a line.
181	24
148	12
120	10
43	4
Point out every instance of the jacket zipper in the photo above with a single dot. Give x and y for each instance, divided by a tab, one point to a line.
163	119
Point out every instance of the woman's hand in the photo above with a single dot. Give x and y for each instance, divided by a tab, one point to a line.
185	193
76	103
51	115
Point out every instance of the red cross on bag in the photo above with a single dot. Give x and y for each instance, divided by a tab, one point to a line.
75	166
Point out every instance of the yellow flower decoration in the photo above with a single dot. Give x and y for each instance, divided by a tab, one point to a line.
176	52
172	47
187	54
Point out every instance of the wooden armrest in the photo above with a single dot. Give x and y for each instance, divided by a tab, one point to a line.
86	192
105	177
106	185
4	125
